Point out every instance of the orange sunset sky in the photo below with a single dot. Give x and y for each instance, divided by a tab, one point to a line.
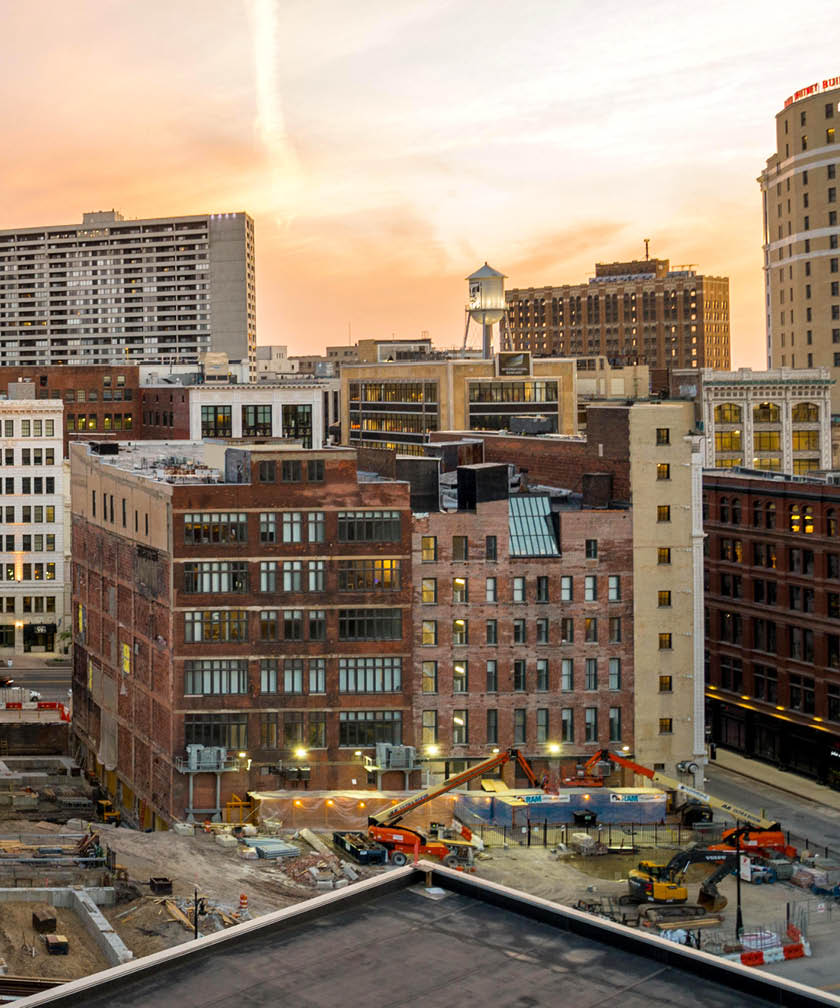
386	148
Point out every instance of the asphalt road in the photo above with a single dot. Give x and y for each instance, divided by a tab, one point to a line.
51	681
818	824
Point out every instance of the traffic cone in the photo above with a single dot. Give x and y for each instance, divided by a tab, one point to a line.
243	901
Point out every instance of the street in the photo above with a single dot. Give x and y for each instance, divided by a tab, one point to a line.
818	823
32	672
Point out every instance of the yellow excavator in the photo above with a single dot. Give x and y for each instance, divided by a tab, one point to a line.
656	883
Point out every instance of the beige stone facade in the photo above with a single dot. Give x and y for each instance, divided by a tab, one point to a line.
799	189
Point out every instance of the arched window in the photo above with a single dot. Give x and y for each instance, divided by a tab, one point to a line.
736	511
724	509
808	516
770	516
795	523
805	412
756	514
766	412
727	413
831	522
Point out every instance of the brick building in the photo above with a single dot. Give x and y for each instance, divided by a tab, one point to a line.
241	619
772	572
647	456
100	401
523	627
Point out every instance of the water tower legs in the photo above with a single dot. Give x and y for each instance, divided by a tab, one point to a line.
487	341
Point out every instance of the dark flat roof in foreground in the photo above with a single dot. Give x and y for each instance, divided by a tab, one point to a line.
387	943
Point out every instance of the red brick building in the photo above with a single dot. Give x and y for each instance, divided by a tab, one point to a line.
772	573
100	401
523	627
242	619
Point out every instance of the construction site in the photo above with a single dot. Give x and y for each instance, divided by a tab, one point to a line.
81	893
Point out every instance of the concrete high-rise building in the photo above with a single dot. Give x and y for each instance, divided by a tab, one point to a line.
802	234
639	312
113	290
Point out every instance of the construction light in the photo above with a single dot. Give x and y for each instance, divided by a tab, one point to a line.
300	753
553	748
242	755
432	750
625	748
358	752
495	750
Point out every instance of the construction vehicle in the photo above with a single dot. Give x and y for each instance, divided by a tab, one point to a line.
765	837
105	812
656	883
403	842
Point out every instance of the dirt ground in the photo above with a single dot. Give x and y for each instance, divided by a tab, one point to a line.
16	927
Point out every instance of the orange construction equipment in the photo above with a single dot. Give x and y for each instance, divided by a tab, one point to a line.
766	838
403	843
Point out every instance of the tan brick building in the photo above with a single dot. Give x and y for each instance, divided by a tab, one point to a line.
638	312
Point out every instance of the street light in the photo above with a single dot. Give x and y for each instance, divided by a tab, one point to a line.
553	748
432	750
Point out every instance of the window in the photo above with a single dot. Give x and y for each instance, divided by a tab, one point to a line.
728	413
204	527
316	526
267	472
370	624
216	422
615	724
590	588
429	729
765	683
317	675
591	549
292	527
665	642
268	576
663	555
663	436
663	513
519	632
460	632
292	575
590	674
315	470
460	677
542	675
490	594
615	630
361	729
542	588
428	591
519	729
214	626
212	577
428	633
460	548
766	412
268	527
460	727
614	588
590	724
567	630
567	725
566	589
372	526
542	724
256	421
567	675
490	552
590	625
519	589
374	575
293	675
542	631
317	624
492	726
519	676
292	624
460	591
801	693
429	683
212	677
492	632
228	731
666	726
376	675
428	549
297	423
492	676
663	471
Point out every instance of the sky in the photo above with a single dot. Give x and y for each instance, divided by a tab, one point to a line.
387	148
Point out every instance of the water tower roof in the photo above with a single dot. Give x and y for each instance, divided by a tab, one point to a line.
484	272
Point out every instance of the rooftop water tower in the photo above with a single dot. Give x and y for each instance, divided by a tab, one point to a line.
486	304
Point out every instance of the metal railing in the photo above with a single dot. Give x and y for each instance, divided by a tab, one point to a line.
616	837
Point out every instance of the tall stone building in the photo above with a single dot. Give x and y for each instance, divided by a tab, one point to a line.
638	312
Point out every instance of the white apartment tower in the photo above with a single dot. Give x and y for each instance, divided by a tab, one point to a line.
32	555
113	290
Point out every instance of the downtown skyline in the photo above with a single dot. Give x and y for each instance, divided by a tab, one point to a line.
384	154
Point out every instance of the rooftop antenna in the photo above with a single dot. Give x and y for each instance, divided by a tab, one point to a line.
647	247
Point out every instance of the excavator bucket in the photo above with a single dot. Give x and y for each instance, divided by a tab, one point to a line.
711	900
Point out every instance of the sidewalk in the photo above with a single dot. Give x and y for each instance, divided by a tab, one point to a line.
755	770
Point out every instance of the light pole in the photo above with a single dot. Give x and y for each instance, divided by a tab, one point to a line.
739	920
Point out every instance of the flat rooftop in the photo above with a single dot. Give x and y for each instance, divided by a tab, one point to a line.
390	942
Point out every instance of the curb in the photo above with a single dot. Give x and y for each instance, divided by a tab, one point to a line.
790	790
